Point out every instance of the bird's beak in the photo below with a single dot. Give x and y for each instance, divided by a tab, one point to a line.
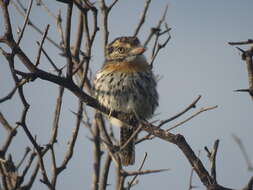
138	51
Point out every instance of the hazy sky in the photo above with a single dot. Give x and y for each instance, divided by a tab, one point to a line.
197	61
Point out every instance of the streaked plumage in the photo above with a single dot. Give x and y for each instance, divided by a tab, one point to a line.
126	83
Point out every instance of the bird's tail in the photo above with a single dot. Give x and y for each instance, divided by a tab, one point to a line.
127	154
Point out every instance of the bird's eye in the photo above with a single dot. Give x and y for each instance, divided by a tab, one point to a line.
121	50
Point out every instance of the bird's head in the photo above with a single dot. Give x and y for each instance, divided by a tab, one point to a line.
124	49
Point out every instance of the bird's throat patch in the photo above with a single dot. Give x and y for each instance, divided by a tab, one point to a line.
126	67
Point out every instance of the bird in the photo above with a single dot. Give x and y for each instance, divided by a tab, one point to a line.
126	83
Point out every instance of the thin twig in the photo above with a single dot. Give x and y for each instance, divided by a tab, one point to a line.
41	45
140	168
192	116
49	59
79	36
37	148
112	5
28	165
131	137
142	18
67	41
59	26
212	157
105	10
54	167
247	57
57	112
5	123
30	23
192	105
105	173
159	47
7	142
249	41
12	92
32	177
72	142
191	177
143	172
120	178
27	150
156	29
25	22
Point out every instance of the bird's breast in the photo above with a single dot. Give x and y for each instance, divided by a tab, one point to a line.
126	67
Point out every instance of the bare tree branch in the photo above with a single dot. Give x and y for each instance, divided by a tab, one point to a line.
100	132
5	123
25	22
41	45
131	137
67	41
72	142
12	92
192	105
247	57
27	150
140	168
156	29
191	177
105	10
143	172
37	147
192	116
212	157
32	178
11	133
30	23
159	46
96	155
142	18
105	173
249	41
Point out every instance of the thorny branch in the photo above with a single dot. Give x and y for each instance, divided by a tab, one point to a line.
75	65
247	57
175	139
143	172
37	148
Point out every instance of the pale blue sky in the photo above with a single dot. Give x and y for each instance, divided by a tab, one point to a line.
197	61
